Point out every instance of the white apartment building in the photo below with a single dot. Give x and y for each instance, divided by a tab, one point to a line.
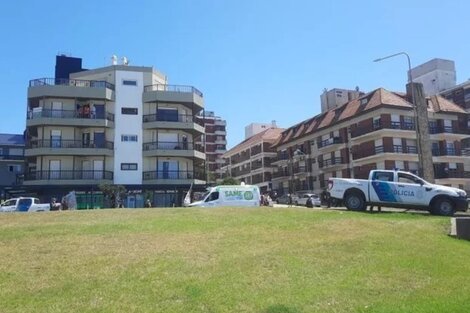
118	124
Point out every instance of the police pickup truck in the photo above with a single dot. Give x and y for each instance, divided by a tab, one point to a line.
397	189
24	204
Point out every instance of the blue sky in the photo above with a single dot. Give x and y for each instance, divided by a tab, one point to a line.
255	61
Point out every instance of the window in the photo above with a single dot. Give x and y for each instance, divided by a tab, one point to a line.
409	179
383	176
168	115
128	138
128	82
129	111
129	166
16	168
213	196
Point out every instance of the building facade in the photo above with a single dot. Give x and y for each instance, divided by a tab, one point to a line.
375	131
255	128
336	97
215	143
120	125
436	76
11	163
251	160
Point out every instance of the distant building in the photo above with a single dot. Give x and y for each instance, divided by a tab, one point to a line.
459	94
436	76
11	161
336	97
255	128
66	65
251	160
215	143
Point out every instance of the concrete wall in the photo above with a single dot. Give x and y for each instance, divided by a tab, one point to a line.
128	152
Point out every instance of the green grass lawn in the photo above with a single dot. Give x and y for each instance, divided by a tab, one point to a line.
231	260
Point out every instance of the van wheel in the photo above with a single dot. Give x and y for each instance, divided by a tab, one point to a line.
443	207
296	202
354	202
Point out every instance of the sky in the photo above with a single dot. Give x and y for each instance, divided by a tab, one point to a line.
254	60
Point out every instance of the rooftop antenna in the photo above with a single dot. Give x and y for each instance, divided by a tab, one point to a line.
114	59
125	61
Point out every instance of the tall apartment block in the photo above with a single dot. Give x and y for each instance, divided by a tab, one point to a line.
336	97
120	125
436	76
375	131
215	142
251	160
255	128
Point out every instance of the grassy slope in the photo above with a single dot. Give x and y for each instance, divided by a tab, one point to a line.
230	260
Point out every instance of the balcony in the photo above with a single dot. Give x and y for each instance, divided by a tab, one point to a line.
378	125
328	163
173	149
451	173
40	116
300	170
11	157
70	88
445	152
256	165
433	129
68	147
281	174
180	122
329	142
71	177
187	95
173	177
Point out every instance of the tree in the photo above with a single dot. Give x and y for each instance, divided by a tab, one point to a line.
113	193
230	181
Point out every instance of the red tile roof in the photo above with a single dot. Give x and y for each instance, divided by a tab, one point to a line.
269	135
373	100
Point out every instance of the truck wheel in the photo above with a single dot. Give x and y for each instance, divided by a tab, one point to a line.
443	207
354	202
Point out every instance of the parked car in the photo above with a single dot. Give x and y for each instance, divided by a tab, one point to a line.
284	199
302	200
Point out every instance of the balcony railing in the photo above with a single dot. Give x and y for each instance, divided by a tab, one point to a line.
180	118
172	88
444	152
451	173
172	145
70	82
280	174
330	162
46	113
300	169
152	175
69	144
257	165
377	125
433	129
11	157
329	142
68	175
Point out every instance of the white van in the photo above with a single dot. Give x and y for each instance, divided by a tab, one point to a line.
229	195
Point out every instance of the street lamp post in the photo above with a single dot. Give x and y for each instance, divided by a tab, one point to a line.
415	110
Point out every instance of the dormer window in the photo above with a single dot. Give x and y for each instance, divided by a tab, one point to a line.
364	101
